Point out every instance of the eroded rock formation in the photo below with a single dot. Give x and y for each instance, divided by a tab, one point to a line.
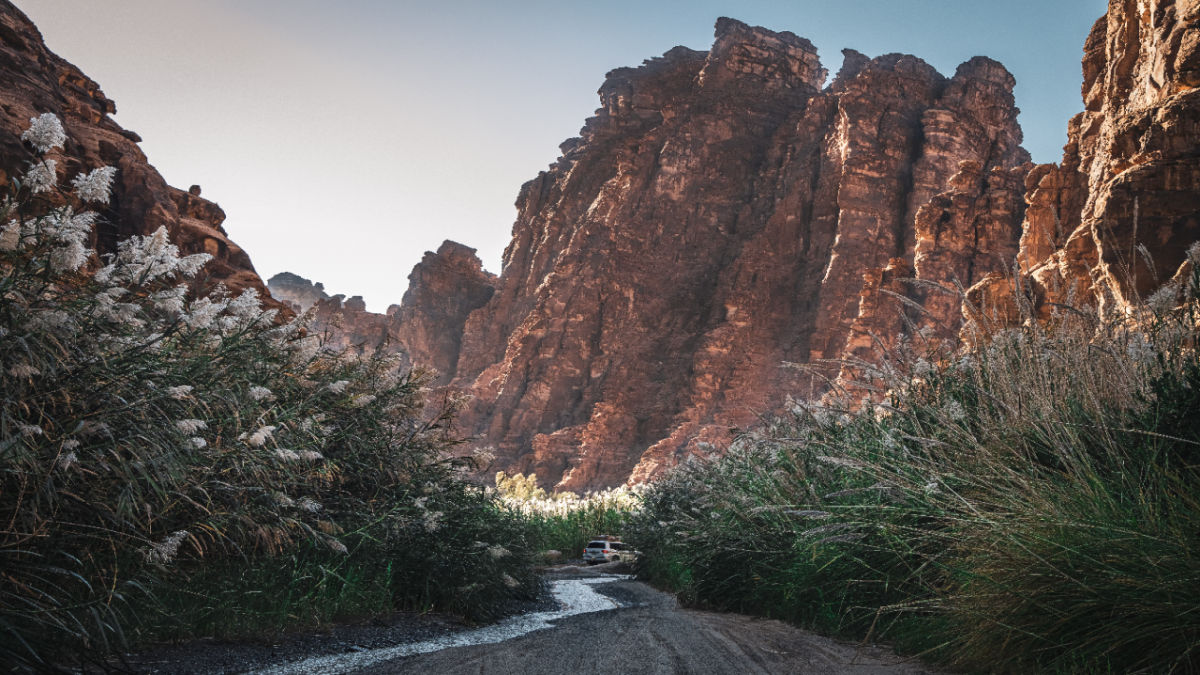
1114	220
723	213
298	293
728	211
34	80
443	289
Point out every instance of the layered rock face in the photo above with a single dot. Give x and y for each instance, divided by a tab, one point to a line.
726	212
33	80
723	213
1116	217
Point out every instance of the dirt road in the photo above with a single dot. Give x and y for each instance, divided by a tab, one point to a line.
610	624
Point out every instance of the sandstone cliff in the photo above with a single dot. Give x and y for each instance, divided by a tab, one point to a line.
298	293
728	211
33	80
723	213
1114	220
443	290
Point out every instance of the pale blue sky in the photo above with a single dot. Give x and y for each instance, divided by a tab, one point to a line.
346	138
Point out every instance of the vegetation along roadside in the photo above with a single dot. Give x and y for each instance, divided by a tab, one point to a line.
175	461
1028	504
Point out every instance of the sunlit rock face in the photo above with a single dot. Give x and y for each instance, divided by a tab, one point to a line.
723	213
34	80
1114	220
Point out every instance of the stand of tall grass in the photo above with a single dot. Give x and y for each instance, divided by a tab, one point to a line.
178	463
1030	504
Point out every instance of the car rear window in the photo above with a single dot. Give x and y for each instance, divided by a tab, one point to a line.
598	544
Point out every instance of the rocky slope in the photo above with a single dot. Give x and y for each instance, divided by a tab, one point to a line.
33	80
1114	220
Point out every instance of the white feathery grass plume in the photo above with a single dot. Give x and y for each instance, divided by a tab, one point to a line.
69	257
191	426
23	370
433	520
10	236
165	551
42	176
260	437
202	312
29	430
45	132
170	300
246	306
96	185
189	265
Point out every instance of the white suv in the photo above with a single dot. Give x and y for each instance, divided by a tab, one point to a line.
600	551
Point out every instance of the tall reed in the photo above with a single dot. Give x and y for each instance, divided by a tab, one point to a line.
1026	504
164	444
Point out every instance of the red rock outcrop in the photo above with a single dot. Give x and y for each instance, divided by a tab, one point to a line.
443	289
427	326
298	293
723	213
34	80
1116	217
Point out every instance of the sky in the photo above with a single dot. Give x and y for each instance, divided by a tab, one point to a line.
344	139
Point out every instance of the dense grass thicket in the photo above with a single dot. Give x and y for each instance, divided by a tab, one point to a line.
178	463
1027	505
564	522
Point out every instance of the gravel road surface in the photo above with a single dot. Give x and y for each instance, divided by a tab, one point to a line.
599	621
632	629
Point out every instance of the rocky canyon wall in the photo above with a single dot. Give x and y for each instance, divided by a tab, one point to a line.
1114	220
34	80
723	213
730	211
